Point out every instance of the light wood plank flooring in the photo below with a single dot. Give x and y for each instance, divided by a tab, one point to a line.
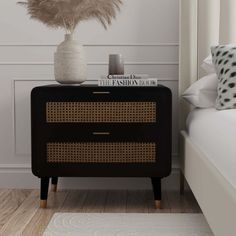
20	215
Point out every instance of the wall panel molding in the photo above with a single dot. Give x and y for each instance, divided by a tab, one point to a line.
89	63
96	55
98	45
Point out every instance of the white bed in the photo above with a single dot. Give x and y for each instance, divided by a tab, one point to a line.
214	133
208	145
214	193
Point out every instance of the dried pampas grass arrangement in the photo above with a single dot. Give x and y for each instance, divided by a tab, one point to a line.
68	14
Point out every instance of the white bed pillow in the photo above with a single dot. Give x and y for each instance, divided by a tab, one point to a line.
208	65
203	92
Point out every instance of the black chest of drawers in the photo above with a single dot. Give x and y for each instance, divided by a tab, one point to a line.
101	132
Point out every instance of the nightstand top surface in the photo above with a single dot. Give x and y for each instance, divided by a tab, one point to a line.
94	86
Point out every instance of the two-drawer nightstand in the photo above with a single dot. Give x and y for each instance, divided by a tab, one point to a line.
91	131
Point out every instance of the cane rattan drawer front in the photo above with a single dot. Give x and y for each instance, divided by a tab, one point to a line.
101	112
92	152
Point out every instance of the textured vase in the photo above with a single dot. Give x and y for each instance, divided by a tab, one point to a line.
69	62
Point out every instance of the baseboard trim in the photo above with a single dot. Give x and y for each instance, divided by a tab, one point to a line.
15	168
20	176
26	180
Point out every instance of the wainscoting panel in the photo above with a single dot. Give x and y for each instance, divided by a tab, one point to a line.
22	135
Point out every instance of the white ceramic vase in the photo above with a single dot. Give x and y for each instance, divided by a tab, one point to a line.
69	62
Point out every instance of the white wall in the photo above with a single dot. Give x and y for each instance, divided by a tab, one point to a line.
145	32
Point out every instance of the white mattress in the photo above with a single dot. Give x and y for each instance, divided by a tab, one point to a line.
214	132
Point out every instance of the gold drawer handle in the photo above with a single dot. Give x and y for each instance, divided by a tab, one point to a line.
100	93
101	133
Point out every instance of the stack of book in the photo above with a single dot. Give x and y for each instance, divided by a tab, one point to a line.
127	80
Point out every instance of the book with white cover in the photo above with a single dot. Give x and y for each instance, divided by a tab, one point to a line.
126	76
128	82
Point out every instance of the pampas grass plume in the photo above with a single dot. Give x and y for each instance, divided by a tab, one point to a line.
68	14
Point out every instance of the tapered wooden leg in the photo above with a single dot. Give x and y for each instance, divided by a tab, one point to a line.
54	184
182	181
44	192
156	183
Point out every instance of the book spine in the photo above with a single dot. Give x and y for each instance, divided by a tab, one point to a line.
127	82
128	76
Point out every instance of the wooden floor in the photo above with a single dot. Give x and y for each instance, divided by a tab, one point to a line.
20	215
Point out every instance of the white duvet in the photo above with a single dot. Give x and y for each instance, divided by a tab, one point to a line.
214	132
